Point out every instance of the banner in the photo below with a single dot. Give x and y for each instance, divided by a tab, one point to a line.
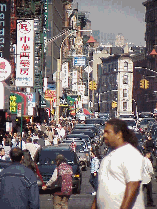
25	53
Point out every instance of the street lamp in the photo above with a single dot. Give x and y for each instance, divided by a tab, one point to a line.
59	66
91	42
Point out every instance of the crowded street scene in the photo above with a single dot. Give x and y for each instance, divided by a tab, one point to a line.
78	104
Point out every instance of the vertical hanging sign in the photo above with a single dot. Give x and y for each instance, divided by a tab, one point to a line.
5	29
25	53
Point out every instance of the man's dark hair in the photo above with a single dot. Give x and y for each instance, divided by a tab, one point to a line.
127	134
16	154
1	148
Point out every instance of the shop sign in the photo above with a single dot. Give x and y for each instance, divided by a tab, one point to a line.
14	101
25	53
5	23
5	69
50	94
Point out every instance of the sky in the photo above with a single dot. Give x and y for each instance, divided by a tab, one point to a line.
117	16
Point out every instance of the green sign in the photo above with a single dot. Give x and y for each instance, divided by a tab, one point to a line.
15	99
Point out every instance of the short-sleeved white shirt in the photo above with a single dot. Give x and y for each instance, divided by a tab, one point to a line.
121	166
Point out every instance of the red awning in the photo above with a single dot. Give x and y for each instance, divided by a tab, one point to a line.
86	112
91	40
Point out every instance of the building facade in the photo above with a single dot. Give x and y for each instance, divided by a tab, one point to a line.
151	31
116	83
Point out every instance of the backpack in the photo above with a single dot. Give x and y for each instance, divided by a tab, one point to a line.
65	173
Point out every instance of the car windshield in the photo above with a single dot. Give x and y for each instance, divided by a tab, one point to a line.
130	123
79	148
97	121
146	121
48	157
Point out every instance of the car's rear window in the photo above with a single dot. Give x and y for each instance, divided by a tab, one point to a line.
48	156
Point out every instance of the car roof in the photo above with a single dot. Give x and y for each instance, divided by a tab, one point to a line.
86	130
77	135
62	147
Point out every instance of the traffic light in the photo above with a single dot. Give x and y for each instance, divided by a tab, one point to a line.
90	85
114	104
142	82
146	84
94	85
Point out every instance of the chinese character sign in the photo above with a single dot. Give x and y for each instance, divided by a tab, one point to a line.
15	103
65	71
5	69
5	12
74	81
25	53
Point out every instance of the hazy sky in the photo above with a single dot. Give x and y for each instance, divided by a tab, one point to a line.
117	16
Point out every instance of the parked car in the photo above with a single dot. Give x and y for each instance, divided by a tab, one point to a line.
83	156
87	126
146	122
45	159
99	121
80	137
88	132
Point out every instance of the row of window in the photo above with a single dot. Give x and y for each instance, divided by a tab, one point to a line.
113	66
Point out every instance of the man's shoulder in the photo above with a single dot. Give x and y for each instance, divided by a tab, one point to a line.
127	150
17	168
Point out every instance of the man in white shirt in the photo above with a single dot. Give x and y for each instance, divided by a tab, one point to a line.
31	147
120	172
147	178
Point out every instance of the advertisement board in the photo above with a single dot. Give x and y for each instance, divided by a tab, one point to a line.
5	69
25	53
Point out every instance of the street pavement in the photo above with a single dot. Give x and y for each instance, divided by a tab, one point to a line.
154	183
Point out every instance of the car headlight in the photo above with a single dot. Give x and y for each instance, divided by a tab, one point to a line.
76	175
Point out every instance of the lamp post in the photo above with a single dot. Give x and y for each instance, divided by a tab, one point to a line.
59	66
136	108
91	42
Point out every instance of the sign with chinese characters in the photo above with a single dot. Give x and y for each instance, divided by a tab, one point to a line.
65	71
15	99
5	69
25	53
31	103
50	94
74	81
81	90
5	29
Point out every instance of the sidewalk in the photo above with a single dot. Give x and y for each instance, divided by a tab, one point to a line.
154	184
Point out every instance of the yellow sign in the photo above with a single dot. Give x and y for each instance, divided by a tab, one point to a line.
144	84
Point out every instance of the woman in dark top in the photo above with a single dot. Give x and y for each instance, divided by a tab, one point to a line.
29	163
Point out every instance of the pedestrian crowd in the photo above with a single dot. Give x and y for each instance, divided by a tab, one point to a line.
36	135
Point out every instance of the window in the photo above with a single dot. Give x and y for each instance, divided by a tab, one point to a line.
125	79
124	106
125	65
124	92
